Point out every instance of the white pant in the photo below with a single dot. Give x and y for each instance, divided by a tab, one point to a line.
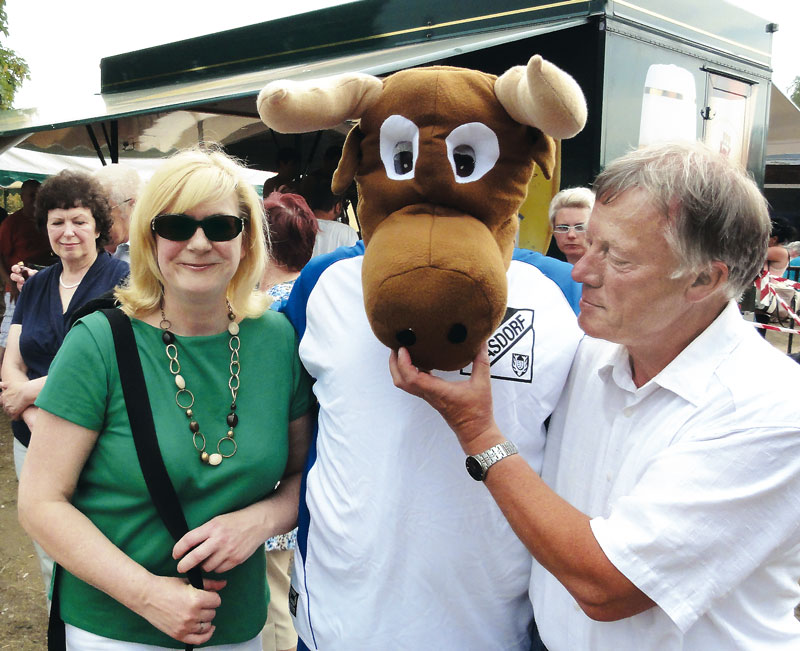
80	640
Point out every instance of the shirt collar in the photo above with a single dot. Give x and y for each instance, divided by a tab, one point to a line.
689	374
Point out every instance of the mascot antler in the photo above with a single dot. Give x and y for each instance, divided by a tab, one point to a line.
542	96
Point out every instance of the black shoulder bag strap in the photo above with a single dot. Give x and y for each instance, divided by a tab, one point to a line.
161	490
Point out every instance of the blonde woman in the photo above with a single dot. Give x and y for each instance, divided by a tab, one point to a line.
197	252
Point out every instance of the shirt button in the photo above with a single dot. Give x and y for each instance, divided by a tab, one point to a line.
628	411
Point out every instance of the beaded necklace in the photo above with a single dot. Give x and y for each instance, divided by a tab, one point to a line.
185	398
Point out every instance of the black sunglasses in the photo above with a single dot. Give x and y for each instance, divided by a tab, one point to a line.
180	227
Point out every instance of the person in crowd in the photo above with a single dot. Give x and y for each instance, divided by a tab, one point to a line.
777	254
666	512
794	263
20	241
328	209
287	175
293	230
197	252
569	218
122	184
72	209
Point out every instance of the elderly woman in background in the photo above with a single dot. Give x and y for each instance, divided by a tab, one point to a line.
292	229
569	218
74	211
197	252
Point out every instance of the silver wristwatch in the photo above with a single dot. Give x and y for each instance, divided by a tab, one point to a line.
479	464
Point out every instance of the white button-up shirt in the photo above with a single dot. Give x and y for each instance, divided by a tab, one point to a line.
692	482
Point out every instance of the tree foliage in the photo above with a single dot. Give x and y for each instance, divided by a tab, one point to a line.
794	91
13	69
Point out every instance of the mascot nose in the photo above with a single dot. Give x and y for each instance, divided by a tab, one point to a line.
434	282
406	337
457	333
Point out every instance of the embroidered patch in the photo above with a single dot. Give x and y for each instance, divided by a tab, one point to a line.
511	347
293	601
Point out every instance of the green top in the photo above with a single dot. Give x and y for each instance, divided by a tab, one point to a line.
83	387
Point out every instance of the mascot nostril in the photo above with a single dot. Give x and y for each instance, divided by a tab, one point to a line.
406	338
457	334
442	158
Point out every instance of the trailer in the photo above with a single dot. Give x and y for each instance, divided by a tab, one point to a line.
650	69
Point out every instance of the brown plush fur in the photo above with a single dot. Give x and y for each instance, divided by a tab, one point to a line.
437	251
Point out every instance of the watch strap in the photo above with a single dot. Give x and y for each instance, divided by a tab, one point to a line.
489	457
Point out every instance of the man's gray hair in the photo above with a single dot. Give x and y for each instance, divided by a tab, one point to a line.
713	210
571	198
121	183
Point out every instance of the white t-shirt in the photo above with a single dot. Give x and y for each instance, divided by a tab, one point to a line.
693	484
331	236
398	547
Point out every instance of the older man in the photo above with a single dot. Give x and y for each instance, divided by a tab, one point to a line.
569	218
668	514
122	184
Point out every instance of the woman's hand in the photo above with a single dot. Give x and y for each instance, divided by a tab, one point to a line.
221	543
181	611
16	398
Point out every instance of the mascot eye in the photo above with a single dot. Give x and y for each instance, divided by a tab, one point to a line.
464	159
472	150
399	146
403	157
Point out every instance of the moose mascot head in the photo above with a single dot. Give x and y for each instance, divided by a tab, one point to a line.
442	158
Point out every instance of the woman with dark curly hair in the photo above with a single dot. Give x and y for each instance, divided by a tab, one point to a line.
72	208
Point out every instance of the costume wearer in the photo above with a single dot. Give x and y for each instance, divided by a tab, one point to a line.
398	548
83	387
331	236
44	324
693	484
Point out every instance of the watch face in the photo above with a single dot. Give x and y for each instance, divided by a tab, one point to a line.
474	468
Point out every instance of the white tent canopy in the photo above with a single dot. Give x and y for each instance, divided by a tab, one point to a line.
16	164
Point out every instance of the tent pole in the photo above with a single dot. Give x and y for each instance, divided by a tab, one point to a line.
95	144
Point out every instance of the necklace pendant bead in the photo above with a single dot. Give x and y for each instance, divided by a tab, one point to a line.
230	434
233	328
189	413
167	337
204	457
180	382
194	426
233	420
214	459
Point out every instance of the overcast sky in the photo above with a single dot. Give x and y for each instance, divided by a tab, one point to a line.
63	42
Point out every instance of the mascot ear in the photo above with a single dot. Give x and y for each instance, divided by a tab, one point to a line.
348	164
543	151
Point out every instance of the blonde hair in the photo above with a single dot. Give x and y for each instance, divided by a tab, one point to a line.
570	198
182	182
